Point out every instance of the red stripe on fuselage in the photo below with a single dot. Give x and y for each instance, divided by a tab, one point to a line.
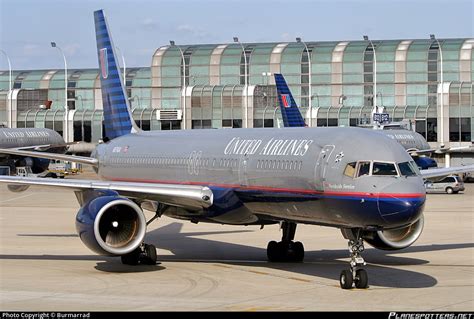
275	189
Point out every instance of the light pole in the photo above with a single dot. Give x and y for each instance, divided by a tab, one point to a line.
374	94
236	40
433	38
266	77
265	97
173	44
317	99
298	40
342	98
82	102
66	108
124	66
381	101
10	117
138	98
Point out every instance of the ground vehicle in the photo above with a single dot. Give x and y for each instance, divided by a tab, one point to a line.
25	171
58	167
450	184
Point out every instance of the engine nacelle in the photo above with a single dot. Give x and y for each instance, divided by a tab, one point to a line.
111	225
394	239
39	165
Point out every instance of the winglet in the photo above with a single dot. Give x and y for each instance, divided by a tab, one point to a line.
118	119
289	110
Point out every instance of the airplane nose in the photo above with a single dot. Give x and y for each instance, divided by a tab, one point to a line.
401	206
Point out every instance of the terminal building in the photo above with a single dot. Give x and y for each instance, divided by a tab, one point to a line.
426	82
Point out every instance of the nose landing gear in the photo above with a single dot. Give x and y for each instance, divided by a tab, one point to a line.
356	275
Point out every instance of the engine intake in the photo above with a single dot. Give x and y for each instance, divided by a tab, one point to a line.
394	239
111	225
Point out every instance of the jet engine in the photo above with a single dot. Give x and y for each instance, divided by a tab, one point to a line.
111	225
394	239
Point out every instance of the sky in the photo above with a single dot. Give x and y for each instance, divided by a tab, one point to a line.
139	27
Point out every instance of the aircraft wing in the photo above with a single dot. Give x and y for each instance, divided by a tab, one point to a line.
440	172
43	147
438	150
421	152
54	156
187	196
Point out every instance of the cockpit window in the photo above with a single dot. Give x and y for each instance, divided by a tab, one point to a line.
364	169
384	169
406	169
415	167
350	169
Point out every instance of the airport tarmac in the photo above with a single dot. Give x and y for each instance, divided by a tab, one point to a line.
207	267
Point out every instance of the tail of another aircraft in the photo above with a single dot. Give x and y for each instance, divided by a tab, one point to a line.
289	110
118	119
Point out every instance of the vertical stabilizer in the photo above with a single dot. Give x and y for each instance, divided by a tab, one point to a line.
289	110
118	119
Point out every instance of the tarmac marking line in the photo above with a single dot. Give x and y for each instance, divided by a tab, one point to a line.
20	197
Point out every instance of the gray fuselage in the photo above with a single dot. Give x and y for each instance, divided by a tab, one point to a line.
266	175
408	139
24	137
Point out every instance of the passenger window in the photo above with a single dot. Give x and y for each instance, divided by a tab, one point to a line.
384	169
364	169
350	169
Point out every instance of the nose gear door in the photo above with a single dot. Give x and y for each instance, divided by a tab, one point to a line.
321	166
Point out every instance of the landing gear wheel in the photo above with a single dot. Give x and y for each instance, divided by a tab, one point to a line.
149	256
357	275
362	279
273	251
345	279
286	250
298	250
132	258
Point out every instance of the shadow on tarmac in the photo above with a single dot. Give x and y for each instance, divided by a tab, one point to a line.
186	247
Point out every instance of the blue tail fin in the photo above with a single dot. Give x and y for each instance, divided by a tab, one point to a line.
117	116
289	110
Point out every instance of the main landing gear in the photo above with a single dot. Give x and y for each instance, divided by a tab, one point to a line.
355	275
145	254
286	250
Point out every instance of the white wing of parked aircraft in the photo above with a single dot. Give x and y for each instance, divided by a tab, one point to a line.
44	147
442	150
54	156
439	172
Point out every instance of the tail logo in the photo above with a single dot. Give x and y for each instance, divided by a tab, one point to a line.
104	64
285	98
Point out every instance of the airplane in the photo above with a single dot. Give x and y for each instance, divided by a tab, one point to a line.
367	186
414	143
38	139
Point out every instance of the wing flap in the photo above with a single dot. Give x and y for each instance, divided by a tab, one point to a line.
186	196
